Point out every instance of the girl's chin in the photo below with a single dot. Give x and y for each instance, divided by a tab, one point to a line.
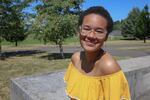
90	48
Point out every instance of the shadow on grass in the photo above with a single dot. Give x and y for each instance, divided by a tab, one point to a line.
5	55
54	56
50	56
128	39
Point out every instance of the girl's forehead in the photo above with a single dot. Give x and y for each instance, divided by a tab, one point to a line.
94	20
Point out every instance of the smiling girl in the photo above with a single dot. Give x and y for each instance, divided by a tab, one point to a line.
93	74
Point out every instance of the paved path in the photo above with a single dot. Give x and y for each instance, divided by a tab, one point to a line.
130	50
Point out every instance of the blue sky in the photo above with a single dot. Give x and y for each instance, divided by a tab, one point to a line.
118	9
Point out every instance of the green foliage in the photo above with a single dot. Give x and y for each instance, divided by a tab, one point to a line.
130	23
56	20
137	24
12	20
143	25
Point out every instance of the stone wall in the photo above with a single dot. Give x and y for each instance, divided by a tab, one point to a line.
51	86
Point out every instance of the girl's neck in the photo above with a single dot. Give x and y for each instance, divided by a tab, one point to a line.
91	57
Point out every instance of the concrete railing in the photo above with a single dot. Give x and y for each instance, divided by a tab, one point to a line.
52	87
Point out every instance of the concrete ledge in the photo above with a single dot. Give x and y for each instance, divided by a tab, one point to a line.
52	87
42	87
137	71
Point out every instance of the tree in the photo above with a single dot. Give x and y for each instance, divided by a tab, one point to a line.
57	20
12	24
143	25
15	31
128	27
137	24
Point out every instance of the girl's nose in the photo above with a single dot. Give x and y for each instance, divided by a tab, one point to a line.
91	34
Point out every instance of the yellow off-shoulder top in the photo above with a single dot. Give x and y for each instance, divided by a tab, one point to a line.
83	87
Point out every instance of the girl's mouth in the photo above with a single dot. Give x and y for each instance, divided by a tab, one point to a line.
90	44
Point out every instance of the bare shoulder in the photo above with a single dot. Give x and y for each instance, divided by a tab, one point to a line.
109	65
75	58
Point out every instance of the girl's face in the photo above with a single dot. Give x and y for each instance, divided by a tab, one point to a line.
93	32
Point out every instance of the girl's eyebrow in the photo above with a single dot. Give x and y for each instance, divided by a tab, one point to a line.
100	28
86	26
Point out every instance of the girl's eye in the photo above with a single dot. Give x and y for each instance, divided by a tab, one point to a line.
99	31
87	29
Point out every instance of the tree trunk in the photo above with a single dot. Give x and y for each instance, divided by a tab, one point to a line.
61	51
2	57
16	43
0	46
45	41
144	38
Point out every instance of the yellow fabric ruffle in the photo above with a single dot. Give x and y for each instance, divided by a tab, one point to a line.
108	87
